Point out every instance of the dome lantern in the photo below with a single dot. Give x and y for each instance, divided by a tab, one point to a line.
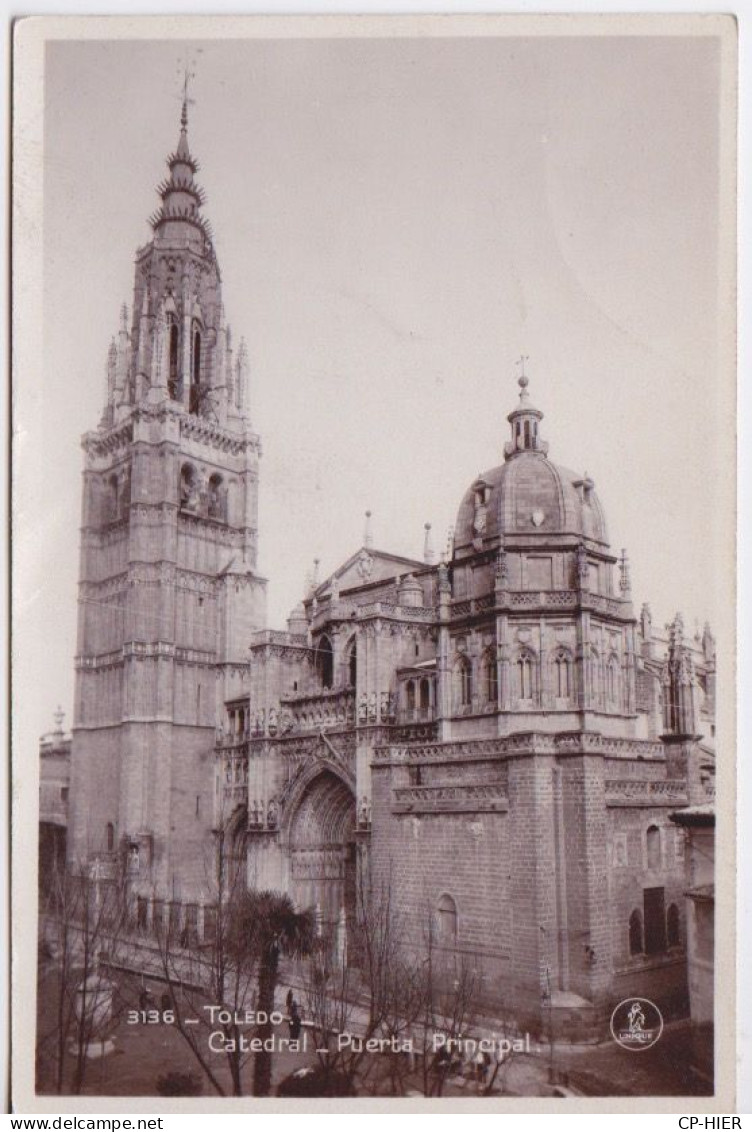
524	419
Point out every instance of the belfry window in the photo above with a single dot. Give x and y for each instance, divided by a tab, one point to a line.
216	500
112	500
410	695
188	488
173	380
196	373
195	403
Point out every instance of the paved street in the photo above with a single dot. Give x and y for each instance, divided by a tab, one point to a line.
144	1052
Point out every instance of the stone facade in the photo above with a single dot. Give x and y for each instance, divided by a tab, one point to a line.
698	824
498	736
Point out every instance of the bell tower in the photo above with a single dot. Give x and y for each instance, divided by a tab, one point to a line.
169	592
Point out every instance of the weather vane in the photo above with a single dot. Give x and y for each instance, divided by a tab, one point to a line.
186	69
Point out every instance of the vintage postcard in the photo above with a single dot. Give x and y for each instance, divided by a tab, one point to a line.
374	533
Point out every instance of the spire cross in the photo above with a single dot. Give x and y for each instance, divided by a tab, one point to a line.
188	74
521	363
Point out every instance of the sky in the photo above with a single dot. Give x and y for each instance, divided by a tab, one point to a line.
396	222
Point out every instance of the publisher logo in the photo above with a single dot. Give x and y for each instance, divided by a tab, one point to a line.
636	1024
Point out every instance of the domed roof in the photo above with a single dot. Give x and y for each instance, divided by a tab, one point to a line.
528	494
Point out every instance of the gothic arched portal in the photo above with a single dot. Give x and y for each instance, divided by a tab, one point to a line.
323	856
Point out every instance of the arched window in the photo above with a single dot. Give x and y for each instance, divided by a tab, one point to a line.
188	487
325	662
446	921
527	434
110	837
352	663
410	695
425	694
196	366
635	934
463	678
672	926
173	380
612	680
124	493
216	502
562	676
596	678
491	676
194	404
524	668
653	839
112	500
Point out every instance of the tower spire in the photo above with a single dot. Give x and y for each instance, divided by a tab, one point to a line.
182	198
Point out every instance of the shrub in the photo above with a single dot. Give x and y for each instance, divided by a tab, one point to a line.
177	1084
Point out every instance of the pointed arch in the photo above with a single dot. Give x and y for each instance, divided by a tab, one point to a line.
562	674
596	677
292	796
425	694
490	675
525	677
463	683
173	370
612	681
446	921
653	847
352	661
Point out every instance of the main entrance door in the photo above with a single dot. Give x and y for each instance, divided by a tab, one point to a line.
323	855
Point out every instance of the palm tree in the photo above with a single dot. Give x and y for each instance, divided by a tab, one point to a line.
273	928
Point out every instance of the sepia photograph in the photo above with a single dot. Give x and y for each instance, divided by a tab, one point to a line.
374	586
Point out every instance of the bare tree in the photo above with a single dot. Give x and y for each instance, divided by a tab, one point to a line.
82	925
450	985
371	997
212	985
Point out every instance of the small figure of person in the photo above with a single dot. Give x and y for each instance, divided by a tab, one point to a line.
295	1022
289	1000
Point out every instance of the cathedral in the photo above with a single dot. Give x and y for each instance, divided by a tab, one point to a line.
498	735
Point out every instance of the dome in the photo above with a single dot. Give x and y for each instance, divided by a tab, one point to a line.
528	495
